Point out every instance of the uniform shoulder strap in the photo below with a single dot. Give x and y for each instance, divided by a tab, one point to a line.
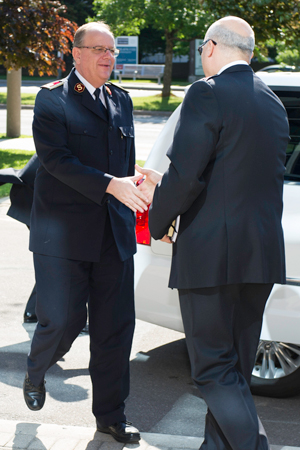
116	86
53	84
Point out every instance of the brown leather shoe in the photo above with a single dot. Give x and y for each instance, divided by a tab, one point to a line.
34	396
121	431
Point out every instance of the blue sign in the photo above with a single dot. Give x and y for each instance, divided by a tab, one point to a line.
127	55
129	51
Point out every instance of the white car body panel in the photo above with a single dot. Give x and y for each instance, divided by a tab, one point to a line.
158	304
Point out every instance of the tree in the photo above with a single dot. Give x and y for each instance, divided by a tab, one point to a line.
289	56
269	18
177	19
32	35
78	10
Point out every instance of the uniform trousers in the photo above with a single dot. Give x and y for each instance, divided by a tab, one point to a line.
63	288
222	326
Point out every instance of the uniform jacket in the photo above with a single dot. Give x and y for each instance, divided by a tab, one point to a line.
225	179
80	149
21	193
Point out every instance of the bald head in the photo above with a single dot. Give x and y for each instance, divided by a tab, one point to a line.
227	40
234	35
235	24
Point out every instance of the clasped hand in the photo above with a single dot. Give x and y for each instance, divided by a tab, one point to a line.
151	179
125	190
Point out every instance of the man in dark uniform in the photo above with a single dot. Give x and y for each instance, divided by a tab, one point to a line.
21	197
225	180
83	228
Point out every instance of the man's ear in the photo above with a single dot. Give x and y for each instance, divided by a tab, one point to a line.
210	49
76	54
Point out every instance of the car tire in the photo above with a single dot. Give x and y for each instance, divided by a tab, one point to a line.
276	371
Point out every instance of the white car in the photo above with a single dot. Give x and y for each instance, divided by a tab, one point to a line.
277	367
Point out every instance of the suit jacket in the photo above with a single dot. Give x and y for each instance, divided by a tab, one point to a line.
225	179
80	149
21	193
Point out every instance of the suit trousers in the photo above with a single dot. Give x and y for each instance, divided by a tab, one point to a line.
222	326
31	302
63	289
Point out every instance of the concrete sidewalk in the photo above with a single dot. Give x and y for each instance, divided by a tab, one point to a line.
37	436
18	144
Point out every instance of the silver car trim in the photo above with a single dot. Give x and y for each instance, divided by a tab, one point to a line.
293	281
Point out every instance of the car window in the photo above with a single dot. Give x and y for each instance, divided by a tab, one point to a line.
291	101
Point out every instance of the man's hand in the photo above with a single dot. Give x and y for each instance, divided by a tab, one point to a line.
152	177
126	192
166	239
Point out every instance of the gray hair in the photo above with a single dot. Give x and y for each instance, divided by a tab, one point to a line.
228	38
80	33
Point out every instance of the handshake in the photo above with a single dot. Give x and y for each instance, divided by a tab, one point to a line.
136	192
147	181
146	184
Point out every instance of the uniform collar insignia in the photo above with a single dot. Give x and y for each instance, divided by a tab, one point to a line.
79	87
108	90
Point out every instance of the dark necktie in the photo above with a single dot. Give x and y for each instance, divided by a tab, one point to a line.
99	102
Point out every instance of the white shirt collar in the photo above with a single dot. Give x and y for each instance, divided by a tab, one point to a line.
234	63
90	87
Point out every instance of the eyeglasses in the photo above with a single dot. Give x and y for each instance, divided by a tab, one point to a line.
98	50
200	48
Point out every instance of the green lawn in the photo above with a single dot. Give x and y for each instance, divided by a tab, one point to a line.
12	158
3	136
149	103
156	103
26	99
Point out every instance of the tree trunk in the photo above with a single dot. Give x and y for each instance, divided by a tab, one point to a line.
13	118
166	92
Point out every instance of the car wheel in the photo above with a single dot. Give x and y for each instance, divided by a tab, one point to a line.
276	372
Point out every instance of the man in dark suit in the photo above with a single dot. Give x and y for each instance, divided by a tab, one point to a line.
21	197
225	180
82	229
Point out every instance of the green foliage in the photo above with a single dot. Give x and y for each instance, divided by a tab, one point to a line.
177	19
269	18
184	20
124	17
288	55
32	33
78	10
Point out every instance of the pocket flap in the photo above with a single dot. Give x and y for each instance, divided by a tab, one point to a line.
127	131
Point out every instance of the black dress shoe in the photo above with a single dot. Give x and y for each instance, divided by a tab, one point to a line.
29	318
122	432
34	396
